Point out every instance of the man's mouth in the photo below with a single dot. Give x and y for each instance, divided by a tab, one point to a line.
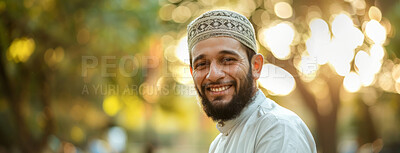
219	88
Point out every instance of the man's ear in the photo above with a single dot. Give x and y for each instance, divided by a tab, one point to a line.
257	62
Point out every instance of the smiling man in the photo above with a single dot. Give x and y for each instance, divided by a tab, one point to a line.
225	67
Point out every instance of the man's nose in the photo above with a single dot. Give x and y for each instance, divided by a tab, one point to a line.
215	72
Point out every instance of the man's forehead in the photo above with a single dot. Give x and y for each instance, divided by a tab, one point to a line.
219	53
215	49
220	42
217	45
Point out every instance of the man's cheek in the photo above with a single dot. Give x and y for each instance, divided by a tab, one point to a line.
199	88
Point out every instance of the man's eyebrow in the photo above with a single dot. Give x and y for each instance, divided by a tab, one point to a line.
229	52
198	58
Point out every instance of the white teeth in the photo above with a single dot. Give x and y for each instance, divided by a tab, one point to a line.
219	88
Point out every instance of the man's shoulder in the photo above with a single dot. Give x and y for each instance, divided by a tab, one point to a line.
271	112
277	124
275	120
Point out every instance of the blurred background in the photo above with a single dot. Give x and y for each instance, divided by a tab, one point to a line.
111	76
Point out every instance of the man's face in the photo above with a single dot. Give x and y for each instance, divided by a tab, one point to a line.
222	76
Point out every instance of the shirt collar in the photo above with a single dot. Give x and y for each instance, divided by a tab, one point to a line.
258	98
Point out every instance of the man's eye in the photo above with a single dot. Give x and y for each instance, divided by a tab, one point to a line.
228	59
200	65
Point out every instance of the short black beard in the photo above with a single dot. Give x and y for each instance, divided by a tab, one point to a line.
233	108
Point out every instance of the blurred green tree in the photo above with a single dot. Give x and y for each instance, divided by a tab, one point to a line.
42	44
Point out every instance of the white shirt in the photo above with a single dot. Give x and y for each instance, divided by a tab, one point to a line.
264	127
